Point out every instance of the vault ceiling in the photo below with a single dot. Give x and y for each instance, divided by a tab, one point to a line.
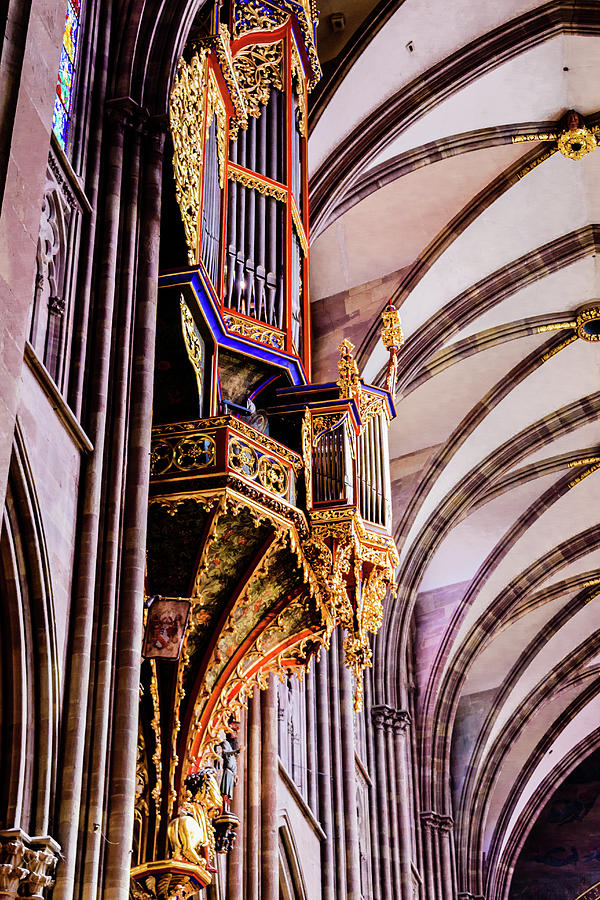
420	195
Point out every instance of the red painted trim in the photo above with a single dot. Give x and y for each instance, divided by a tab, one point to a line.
236	659
288	180
260	37
223	89
201	674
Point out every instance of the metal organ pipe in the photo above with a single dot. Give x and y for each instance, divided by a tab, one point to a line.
231	230
260	270
239	304
250	220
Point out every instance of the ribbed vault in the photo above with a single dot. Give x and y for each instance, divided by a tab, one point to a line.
489	247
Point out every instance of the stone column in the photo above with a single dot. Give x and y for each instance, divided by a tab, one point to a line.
379	715
353	891
311	742
336	768
76	694
440	873
269	832
130	622
107	587
324	779
253	799
445	830
401	724
394	799
373	798
428	854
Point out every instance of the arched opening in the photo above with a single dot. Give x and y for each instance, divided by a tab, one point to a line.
28	669
561	857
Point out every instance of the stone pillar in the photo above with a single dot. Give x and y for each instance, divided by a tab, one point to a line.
428	855
76	693
130	622
336	767
324	779
379	715
373	798
438	855
269	831
353	891
401	724
26	864
311	742
253	799
107	588
445	831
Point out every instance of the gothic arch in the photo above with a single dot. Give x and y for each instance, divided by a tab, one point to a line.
28	663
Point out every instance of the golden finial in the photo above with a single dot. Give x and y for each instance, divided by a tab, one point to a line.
392	337
349	380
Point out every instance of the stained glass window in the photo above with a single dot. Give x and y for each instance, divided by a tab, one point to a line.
63	102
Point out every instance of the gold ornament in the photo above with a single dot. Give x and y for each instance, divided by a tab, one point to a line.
576	143
186	114
258	69
250	180
588	324
349	380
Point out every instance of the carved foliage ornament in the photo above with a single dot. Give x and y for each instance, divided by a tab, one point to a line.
258	69
186	113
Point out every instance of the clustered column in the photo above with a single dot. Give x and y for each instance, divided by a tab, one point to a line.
393	785
437	842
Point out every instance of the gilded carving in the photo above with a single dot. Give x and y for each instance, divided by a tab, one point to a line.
307	456
550	353
272	475
243	458
300	82
326	422
255	331
250	180
299	227
348	380
186	113
155	724
252	15
575	143
258	69
220	43
193	344
588	324
194	452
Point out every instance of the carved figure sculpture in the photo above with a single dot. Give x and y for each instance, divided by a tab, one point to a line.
191	830
229	751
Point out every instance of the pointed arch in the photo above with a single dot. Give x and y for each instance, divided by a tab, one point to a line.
29	686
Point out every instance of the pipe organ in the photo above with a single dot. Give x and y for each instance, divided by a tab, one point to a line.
269	520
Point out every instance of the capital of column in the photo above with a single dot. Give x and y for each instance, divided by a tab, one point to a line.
124	112
436	821
391	719
26	864
382	715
